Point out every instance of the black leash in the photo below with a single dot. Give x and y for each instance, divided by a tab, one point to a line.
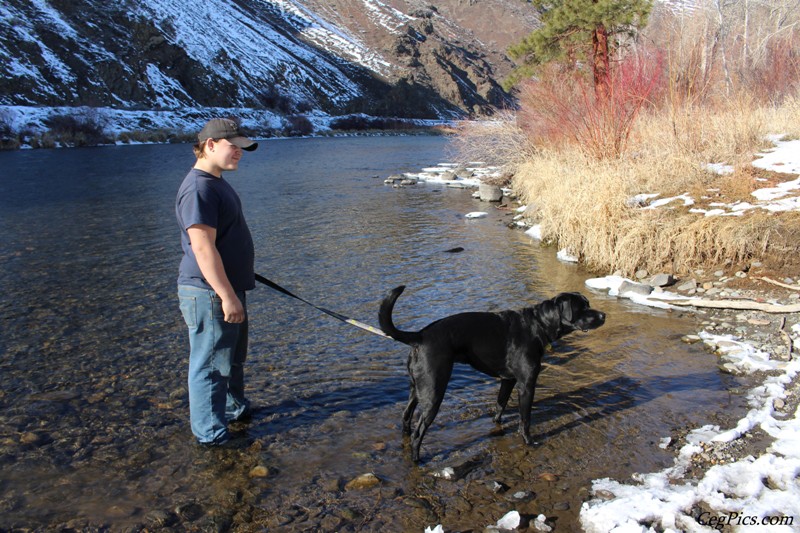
348	320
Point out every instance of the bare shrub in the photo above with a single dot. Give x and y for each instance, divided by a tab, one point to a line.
497	142
8	140
76	130
298	125
779	76
562	107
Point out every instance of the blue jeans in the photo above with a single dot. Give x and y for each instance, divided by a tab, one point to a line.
216	364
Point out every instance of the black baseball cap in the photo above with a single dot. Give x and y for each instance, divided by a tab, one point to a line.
225	128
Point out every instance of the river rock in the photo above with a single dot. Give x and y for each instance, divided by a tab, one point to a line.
662	280
490	193
629	287
549	477
522	496
604	495
540	524
364	481
259	471
189	511
29	438
497	487
159	518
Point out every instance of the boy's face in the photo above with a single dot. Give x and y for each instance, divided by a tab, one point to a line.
222	154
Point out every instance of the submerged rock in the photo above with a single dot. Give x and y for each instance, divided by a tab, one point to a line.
364	481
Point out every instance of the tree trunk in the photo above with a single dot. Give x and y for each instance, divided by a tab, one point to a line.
601	67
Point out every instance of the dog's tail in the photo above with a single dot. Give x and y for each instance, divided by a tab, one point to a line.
385	319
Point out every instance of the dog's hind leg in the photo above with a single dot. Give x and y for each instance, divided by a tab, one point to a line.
431	385
429	412
409	412
506	388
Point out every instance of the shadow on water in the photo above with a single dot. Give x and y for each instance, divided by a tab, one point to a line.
93	404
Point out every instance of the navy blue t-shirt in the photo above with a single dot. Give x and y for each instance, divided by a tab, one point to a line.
206	199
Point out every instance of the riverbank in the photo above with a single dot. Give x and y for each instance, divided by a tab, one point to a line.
745	475
28	127
742	475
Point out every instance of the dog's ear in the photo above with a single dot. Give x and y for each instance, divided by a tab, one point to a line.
564	303
570	305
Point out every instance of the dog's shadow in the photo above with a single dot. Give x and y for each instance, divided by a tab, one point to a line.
554	414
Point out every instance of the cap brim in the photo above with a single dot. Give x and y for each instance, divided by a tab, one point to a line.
244	143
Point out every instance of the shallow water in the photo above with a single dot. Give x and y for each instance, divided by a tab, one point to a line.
93	405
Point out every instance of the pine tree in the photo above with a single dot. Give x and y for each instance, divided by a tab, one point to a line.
580	30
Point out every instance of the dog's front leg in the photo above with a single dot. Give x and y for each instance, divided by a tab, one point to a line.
506	388
526	393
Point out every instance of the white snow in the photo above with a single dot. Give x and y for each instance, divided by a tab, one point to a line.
566	256
535	232
250	42
509	522
784	158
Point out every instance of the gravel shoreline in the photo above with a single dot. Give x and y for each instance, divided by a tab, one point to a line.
741	442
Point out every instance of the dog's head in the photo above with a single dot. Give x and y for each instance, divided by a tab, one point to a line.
568	312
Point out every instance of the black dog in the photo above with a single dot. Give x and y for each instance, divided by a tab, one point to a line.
508	345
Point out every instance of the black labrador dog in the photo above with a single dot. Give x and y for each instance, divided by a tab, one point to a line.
508	345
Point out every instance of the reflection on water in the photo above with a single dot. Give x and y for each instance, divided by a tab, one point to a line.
93	405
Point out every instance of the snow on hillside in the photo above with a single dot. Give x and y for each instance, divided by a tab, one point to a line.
258	48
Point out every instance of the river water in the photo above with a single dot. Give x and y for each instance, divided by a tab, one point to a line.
93	353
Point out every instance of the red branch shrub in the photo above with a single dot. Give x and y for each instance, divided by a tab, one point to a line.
563	107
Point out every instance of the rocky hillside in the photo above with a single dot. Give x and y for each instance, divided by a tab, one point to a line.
404	58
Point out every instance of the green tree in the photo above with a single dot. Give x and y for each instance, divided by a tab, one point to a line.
580	31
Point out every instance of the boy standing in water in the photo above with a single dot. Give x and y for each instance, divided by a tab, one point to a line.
215	271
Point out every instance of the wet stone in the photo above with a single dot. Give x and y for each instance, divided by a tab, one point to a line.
350	514
496	487
259	471
605	495
522	496
160	518
364	481
29	438
329	523
189	511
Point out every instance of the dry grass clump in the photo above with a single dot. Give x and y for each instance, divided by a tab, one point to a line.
785	119
496	142
583	203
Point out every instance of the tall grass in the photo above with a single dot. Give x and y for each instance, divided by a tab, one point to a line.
583	203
